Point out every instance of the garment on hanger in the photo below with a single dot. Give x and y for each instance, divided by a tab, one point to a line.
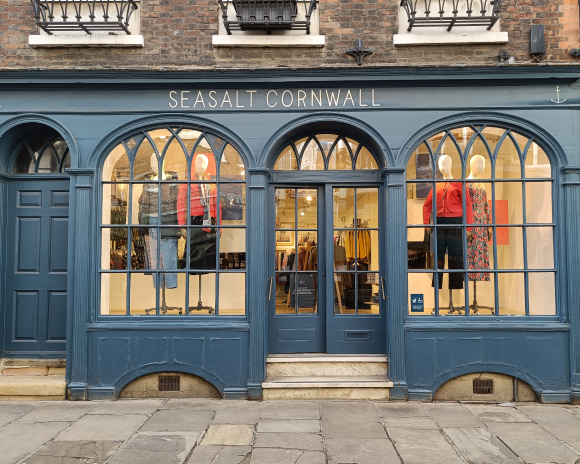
477	250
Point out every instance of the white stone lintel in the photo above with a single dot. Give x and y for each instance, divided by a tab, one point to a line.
450	38
86	40
268	41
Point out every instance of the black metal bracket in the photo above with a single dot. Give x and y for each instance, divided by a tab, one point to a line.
359	52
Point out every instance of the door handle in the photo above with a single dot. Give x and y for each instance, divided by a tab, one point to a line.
383	287
270	291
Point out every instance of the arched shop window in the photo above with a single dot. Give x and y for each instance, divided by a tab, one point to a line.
325	152
42	155
488	248
173	230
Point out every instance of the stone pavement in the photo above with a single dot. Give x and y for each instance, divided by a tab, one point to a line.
204	431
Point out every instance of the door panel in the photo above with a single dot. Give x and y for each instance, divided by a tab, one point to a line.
36	279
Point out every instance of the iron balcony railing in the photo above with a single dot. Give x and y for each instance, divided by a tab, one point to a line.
266	15
83	15
449	14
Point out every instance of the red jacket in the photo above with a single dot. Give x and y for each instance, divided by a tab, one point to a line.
196	205
449	203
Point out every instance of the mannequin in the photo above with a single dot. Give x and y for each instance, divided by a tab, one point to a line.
477	250
167	247
449	210
203	212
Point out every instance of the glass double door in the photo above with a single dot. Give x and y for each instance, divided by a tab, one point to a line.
327	288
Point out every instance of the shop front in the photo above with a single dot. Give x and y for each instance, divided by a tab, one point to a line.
195	225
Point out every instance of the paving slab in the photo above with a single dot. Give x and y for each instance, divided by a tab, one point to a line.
288	426
409	423
494	413
231	455
360	451
415	446
303	441
275	455
173	420
102	428
128	406
351	420
6	418
452	415
204	454
532	443
93	452
226	434
18	407
312	457
58	412
398	410
481	446
290	410
25	438
560	422
575	445
156	447
247	412
206	404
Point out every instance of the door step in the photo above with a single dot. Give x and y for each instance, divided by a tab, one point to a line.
316	376
32	380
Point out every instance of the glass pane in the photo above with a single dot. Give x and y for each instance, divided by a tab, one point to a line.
421	294
367	207
202	248
478	161
286	161
420	248
233	204
59	146
169	202
174	162
114	294
306	290
537	163
450	248
285	239
353	145
48	161
174	303
307	208
24	163
307	251
481	294
300	145
451	294
344	293
492	136
203	165
160	138
540	241
449	203
448	159
343	208
368	289
144	248
365	160
232	298
189	138
145	165
282	293
511	294
416	195
232	166
542	299
114	248
508	203
116	166
507	163
326	140
312	158
145	201
538	202
232	248
340	157
481	200
369	250
202	294
285	209
202	204
65	164
341	259
420	165
510	248
143	294
480	249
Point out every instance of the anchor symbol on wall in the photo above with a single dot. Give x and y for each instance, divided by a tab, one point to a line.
558	92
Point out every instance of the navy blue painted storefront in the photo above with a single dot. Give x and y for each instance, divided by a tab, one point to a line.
392	112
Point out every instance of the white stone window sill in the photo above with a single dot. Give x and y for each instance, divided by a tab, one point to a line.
92	40
268	41
450	38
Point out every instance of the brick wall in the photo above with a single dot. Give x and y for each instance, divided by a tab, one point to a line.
178	35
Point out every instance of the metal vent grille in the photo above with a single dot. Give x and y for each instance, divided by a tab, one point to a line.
169	383
482	387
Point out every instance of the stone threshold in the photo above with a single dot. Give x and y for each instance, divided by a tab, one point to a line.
328	382
318	357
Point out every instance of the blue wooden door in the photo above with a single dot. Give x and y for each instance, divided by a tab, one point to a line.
36	268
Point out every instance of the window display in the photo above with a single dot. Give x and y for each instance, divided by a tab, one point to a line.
474	247
173	226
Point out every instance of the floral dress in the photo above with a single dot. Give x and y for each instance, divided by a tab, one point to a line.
477	250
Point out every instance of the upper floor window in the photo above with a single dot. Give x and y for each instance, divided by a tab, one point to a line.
173	230
325	152
42	154
483	244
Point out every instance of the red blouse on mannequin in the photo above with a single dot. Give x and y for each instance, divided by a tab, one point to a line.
449	202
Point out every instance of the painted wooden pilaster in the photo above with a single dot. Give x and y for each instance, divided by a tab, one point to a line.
572	198
79	316
3	204
257	270
396	269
